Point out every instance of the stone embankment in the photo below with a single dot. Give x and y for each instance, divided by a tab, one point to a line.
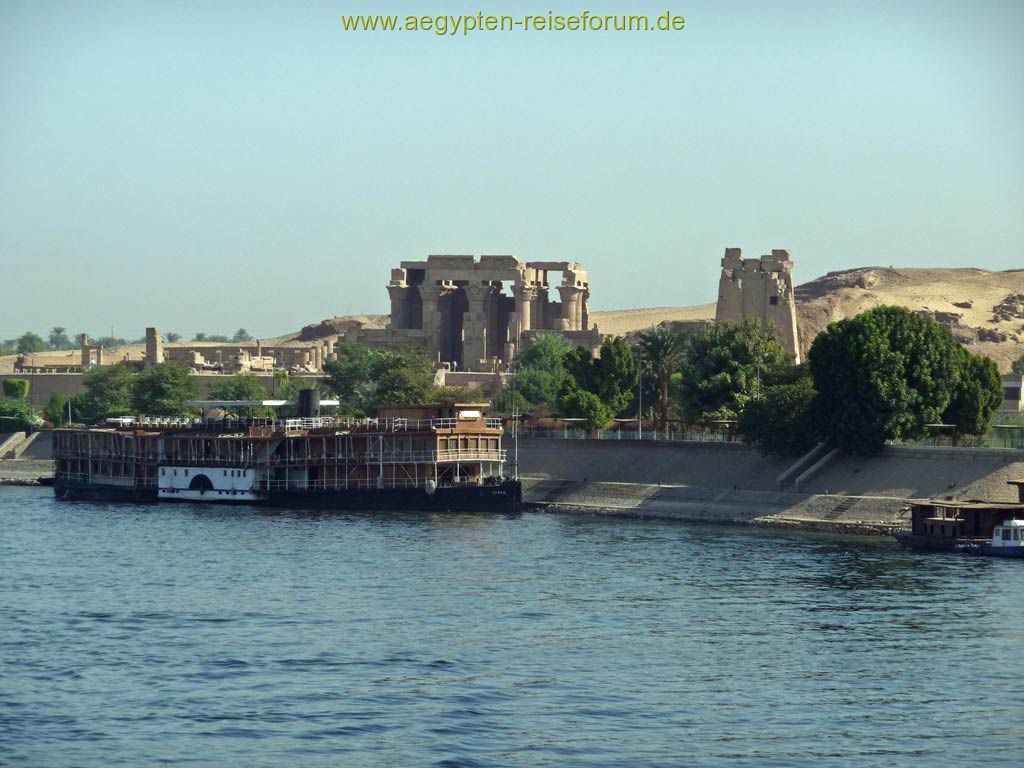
24	471
719	482
731	483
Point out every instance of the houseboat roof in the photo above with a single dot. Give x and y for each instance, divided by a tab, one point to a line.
247	403
969	504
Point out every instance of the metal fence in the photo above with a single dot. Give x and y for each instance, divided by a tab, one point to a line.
694	434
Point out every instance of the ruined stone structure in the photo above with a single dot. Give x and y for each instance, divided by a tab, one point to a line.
92	354
154	347
248	357
467	314
760	288
456	308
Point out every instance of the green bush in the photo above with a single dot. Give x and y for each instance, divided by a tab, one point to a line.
783	419
55	410
17	416
16	388
11	424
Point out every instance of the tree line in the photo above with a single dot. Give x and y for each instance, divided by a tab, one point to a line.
883	375
31	343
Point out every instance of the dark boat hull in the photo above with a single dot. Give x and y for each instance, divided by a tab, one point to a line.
505	497
959	546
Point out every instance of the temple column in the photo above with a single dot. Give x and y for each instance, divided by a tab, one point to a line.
585	311
431	296
399	305
571	310
526	297
474	327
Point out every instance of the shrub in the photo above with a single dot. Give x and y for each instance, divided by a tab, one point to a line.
17	415
16	388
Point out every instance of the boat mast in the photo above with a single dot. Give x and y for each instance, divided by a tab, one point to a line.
515	429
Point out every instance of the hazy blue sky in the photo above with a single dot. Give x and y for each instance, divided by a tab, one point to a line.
210	165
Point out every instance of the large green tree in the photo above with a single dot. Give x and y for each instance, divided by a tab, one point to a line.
241	386
540	370
611	379
582	404
783	418
365	378
882	375
29	343
163	389
976	397
108	392
616	371
59	338
661	356
726	365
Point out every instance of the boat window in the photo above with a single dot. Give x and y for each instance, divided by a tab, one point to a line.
1016	535
1006	534
186	473
225	473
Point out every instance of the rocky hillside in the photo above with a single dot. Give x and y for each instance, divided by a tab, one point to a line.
985	310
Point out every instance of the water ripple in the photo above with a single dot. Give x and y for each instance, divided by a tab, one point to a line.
183	635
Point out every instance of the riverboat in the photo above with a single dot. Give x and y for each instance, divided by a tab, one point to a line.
445	457
994	529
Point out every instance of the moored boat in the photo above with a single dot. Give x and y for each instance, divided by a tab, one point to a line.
994	529
445	457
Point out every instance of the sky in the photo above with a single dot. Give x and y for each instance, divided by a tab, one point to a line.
208	166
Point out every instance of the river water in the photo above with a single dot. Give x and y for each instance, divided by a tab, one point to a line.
188	635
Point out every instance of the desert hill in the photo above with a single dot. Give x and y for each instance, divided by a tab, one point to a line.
984	309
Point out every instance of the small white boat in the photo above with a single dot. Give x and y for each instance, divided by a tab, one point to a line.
1007	540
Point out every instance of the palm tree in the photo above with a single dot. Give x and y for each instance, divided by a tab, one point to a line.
661	352
59	338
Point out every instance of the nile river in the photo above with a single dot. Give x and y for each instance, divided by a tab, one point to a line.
200	636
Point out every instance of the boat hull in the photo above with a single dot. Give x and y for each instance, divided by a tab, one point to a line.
505	497
959	546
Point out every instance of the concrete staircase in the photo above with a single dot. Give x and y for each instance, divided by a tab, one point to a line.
544	492
12	444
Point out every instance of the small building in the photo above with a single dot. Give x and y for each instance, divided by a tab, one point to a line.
1012	386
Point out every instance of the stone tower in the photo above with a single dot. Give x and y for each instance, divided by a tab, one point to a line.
154	347
760	288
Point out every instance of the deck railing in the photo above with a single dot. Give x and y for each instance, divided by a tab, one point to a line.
366	457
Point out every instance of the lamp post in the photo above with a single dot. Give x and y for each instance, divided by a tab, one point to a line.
515	427
640	398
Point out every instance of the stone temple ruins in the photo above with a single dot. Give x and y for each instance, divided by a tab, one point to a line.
759	288
467	314
472	314
456	308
